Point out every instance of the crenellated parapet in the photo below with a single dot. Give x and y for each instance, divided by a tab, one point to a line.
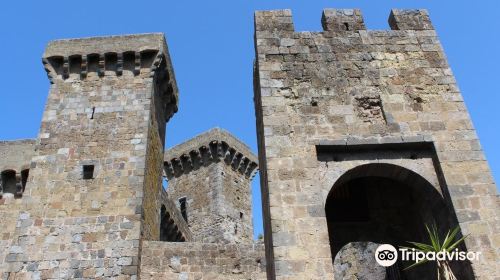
142	55
215	145
340	20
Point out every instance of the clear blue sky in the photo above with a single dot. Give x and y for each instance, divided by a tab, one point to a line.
211	44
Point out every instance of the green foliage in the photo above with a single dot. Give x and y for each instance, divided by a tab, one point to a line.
448	244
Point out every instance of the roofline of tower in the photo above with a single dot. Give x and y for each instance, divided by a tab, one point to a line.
213	145
104	44
61	56
204	138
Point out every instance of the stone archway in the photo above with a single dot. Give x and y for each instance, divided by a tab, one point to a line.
385	203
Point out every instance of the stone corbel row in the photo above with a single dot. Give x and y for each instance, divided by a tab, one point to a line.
170	230
164	85
100	63
203	156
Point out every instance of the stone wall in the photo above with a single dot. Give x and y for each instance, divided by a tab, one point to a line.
16	155
14	167
356	90
82	210
166	260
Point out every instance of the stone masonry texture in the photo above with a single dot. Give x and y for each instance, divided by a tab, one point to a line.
163	260
363	138
213	172
347	107
85	199
108	103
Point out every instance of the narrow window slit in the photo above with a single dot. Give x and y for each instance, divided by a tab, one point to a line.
88	172
183	206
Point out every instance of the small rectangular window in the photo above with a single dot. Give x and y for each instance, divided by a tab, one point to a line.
183	206
88	172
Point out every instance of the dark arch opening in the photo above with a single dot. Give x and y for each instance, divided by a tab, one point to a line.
9	181
386	203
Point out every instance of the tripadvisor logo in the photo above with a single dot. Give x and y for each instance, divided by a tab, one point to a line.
440	250
386	255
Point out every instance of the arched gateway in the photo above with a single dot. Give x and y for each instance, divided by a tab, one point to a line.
385	203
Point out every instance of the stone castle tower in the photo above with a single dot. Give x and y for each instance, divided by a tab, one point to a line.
209	178
95	173
363	138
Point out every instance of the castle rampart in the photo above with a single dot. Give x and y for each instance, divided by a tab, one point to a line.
363	139
343	111
95	177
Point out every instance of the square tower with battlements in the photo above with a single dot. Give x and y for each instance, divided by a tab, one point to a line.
94	184
364	139
209	178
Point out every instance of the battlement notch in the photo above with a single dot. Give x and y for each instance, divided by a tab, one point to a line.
342	20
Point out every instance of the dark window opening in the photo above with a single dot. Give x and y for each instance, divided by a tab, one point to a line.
93	112
346	25
88	172
8	182
183	206
241	215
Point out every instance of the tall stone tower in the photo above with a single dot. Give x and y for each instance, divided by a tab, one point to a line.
209	177
364	138
95	179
